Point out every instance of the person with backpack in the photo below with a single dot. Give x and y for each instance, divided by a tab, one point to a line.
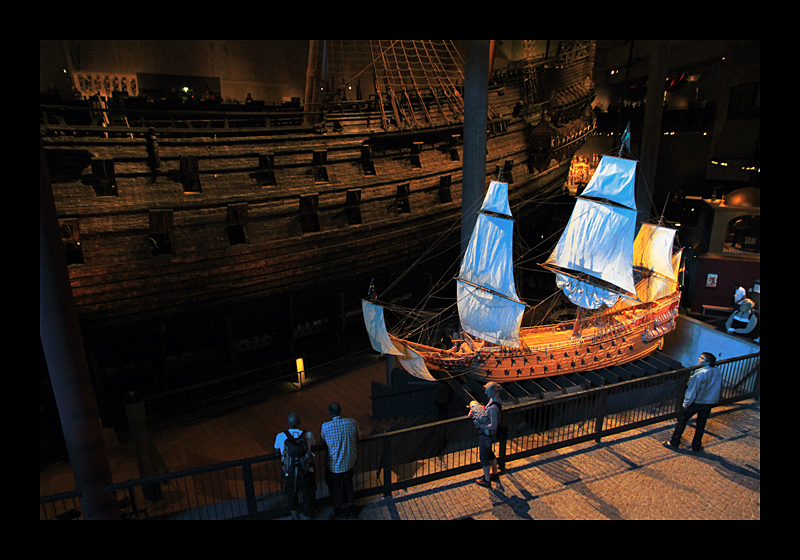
295	445
487	435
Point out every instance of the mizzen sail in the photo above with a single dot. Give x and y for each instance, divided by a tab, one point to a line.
652	253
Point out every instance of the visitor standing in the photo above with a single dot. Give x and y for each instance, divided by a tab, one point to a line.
295	445
702	393
340	435
488	435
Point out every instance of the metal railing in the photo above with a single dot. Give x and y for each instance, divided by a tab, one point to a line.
252	488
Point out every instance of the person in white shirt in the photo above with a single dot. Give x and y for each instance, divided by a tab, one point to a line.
702	393
301	487
739	294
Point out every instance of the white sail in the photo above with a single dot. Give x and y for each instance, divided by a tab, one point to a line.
677	268
488	316
376	329
488	304
413	362
586	295
657	266
410	359
592	260
496	199
614	179
652	251
598	242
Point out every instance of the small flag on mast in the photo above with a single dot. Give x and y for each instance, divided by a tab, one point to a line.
626	139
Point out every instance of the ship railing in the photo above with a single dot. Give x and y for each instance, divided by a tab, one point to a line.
180	123
83	118
604	332
252	488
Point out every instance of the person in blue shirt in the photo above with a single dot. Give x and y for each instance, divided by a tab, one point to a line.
341	435
701	395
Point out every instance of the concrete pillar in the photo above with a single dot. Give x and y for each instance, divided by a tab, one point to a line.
66	361
651	131
476	101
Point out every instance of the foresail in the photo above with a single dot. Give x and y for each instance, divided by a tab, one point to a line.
496	199
488	304
677	266
488	261
655	287
376	328
489	316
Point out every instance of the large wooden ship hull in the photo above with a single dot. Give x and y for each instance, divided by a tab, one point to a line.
120	278
611	339
187	230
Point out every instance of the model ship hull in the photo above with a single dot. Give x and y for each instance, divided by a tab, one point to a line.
545	351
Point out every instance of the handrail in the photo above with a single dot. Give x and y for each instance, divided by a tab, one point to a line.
251	487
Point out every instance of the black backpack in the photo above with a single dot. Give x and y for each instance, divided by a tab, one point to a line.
295	451
502	429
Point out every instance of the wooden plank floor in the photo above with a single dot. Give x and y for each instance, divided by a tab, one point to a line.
248	432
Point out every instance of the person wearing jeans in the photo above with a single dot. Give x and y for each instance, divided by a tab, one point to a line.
702	393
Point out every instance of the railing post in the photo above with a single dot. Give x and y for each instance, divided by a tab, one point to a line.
249	488
502	436
681	392
757	382
387	465
601	414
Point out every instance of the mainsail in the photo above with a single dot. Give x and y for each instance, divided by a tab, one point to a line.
592	260
488	304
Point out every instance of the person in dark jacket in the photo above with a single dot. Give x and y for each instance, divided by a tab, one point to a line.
488	435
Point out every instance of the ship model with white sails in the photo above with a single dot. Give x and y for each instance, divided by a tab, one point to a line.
625	288
208	238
